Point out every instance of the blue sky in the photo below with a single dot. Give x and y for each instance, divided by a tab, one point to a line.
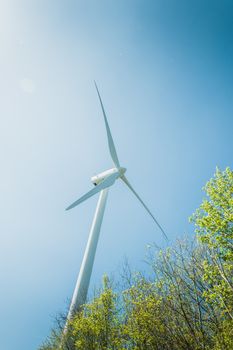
164	70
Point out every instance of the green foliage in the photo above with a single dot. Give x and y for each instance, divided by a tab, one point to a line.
214	222
224	338
53	342
185	304
97	326
143	327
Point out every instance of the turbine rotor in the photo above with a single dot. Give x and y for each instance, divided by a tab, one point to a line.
108	177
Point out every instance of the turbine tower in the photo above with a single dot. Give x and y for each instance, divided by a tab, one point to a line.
102	182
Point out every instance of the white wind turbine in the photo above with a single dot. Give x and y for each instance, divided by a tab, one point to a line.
102	183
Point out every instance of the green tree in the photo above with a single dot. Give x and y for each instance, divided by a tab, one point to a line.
143	327
189	321
97	326
214	225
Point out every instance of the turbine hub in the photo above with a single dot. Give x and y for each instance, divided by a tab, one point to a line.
122	171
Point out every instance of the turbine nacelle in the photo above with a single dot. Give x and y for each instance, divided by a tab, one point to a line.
97	179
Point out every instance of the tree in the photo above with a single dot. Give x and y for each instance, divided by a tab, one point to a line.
214	225
98	326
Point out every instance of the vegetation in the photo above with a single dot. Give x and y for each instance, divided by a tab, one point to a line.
185	304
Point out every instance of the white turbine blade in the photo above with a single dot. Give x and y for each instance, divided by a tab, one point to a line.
109	181
144	205
111	145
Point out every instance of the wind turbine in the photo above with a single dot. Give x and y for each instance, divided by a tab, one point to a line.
102	182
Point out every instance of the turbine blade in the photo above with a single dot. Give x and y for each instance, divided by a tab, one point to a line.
109	181
111	145
144	205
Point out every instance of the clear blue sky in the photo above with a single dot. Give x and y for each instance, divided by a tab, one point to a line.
165	73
